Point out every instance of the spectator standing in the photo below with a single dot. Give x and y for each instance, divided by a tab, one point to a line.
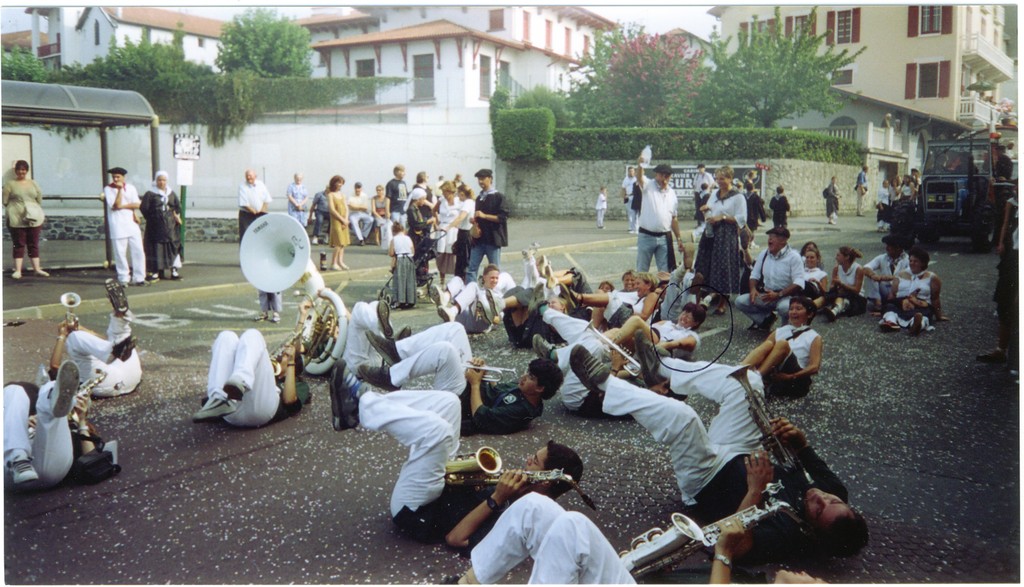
398	194
23	201
627	197
861	188
602	206
491	218
339	222
320	209
703	177
254	201
125	235
779	205
831	195
298	200
162	211
657	218
883	203
755	212
359	214
1006	295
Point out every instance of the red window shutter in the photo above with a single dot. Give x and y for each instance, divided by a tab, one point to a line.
855	33
947	20
910	90
814	23
744	26
789	25
830	27
944	79
913	20
771	25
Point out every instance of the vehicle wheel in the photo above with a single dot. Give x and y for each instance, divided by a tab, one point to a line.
981	228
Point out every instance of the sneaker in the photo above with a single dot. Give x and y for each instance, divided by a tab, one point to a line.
543	348
379	377
439	295
142	283
116	295
67	386
384	320
123	350
647	355
235	387
345	391
174	273
590	371
275	318
152	277
215	408
23	474
447	313
492	309
915	326
385	347
997	356
829	313
16	275
260	317
315	241
404	333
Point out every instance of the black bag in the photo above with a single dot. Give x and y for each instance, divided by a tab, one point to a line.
94	466
825	193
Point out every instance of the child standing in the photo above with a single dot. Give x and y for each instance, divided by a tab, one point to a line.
602	205
403	269
883	204
779	206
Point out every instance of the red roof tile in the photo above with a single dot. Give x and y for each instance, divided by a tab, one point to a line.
167	20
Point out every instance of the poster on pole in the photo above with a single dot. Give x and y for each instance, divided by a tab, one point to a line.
185	172
186	147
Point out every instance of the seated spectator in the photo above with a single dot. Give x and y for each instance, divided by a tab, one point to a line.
777	275
914	300
360	221
881	270
791	354
845	299
815	278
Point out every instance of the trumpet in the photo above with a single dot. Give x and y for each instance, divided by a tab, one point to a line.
781	454
70	301
632	365
492	374
278	354
658	549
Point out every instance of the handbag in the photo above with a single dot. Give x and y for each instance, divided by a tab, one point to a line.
94	466
33	214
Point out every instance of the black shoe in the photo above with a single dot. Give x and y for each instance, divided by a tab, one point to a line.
768	322
116	295
385	347
379	377
590	371
384	320
829	313
543	348
123	350
174	274
345	391
152	278
536	299
647	355
404	333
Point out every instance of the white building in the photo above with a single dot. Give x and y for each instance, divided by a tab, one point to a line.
78	35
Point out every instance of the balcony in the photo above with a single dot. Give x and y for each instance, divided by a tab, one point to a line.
987	59
874	138
51	50
977	113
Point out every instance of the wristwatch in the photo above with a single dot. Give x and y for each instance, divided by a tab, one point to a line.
494	505
725	560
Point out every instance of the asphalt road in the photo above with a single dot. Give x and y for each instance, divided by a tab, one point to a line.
926	439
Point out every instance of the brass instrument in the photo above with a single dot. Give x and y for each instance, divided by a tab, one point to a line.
657	549
781	454
492	374
70	301
632	365
86	388
278	354
484	468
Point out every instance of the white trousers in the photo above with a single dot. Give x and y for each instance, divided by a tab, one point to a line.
877	291
428	423
361	223
575	332
451	332
697	453
246	358
123	247
442	359
566	547
90	354
270	301
51	450
385	231
358	351
467	296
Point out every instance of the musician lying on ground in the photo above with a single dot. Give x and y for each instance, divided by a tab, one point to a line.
114	355
241	387
791	354
441	350
366	317
678	339
422	505
487	408
714	469
477	307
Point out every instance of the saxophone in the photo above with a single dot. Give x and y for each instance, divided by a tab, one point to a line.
85	389
484	468
657	549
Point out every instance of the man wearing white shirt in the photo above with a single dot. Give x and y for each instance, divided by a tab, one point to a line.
359	214
125	235
253	201
778	274
657	217
703	177
627	197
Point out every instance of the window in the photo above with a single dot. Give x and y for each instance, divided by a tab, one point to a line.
800	21
423	74
504	74
526	27
364	68
586	44
931	20
497	19
96	32
844	26
568	41
200	42
548	32
843	77
485	77
928	80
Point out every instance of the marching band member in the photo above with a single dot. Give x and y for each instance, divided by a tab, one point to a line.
476	307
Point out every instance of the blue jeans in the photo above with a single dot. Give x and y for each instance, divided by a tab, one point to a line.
648	246
476	256
320	218
758	310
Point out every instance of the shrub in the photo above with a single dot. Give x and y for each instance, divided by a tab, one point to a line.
524	134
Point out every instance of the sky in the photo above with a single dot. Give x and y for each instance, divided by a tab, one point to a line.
655	18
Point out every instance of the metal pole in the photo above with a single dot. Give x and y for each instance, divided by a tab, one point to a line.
107	264
154	145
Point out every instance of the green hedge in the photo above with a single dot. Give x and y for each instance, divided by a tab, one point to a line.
704	144
524	134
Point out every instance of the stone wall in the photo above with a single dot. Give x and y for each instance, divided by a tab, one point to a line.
90	228
569	188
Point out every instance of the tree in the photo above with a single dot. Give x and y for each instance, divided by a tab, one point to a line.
770	76
22	66
636	79
265	44
545	97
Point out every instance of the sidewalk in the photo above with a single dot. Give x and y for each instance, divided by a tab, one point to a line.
77	266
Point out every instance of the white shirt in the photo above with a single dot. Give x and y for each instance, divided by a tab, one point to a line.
403	245
253	196
734	207
883	196
779	271
800	346
469	207
658	207
122	222
881	265
672	331
362	200
703	178
627	184
602	201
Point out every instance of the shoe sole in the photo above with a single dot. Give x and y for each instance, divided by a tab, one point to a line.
384	320
579	360
492	306
443	314
211	416
383	351
67	387
115	293
649	360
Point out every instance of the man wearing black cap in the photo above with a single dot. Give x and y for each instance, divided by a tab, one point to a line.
492	219
125	235
778	274
657	217
879	271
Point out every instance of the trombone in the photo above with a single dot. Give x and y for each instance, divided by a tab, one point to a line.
632	365
492	374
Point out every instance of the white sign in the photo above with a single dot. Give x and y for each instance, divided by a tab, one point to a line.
185	169
186	147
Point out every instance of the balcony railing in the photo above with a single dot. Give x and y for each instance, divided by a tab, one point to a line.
982	55
49	50
873	138
976	112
